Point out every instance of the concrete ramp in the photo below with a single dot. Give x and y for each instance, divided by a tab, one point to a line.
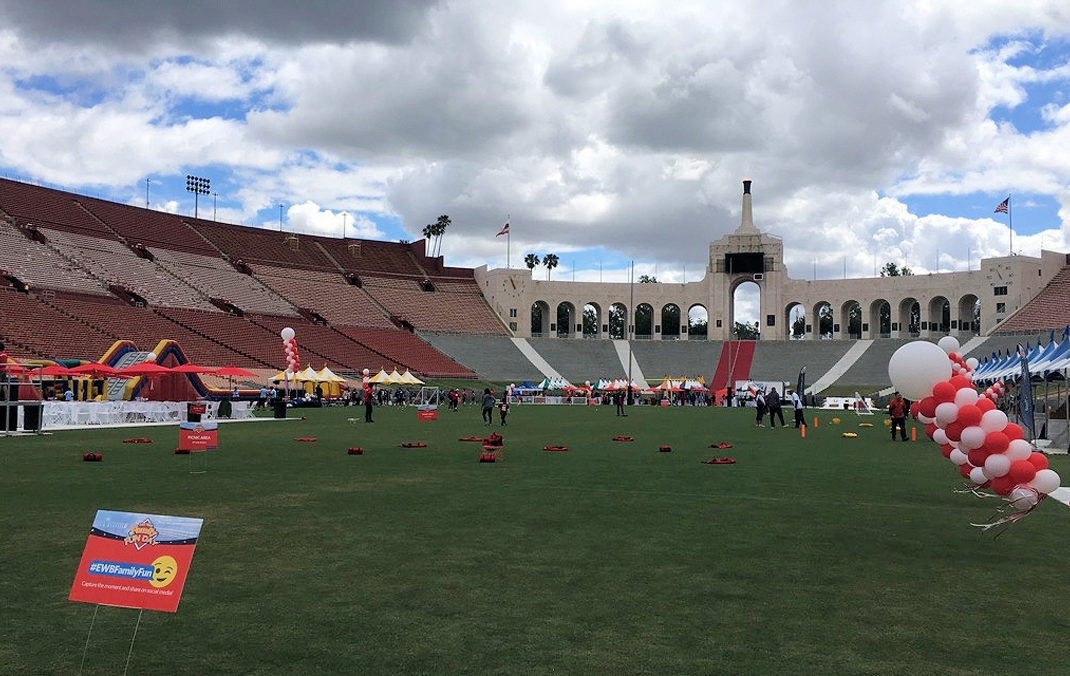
840	367
971	345
621	346
535	358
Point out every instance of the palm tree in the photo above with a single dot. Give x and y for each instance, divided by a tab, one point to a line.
550	261
434	232
531	260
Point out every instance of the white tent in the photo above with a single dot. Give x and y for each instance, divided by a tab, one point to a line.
555	383
380	378
410	379
395	377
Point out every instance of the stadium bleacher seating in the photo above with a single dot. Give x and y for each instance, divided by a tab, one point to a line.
406	349
1047	311
40	266
781	360
269	247
434	310
676	358
492	357
148	227
33	329
326	293
580	360
44	207
214	277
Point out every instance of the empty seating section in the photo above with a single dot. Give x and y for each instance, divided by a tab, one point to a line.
113	262
676	358
364	256
215	277
491	357
327	293
238	333
776	360
146	329
44	207
42	331
39	265
1049	310
321	345
148	227
406	349
434	311
580	360
871	369
256	245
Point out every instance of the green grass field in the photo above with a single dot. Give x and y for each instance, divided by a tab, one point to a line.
816	555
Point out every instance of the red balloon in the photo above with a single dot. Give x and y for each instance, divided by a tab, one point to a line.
1022	471
959	382
944	391
1003	484
1014	431
985	405
914	410
969	415
997	442
1038	460
946	450
964	469
978	456
927	407
953	356
930	429
953	430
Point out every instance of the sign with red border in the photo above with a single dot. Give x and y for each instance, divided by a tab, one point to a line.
136	560
198	436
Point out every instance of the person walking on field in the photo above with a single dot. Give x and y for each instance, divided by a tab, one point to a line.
797	405
503	410
759	402
897	408
368	404
775	410
488	407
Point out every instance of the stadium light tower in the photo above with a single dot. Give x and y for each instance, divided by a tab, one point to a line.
198	186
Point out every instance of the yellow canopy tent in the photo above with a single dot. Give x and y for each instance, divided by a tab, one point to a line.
410	379
380	378
330	382
395	377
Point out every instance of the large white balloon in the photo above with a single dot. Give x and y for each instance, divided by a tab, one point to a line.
287	333
940	436
996	465
971	438
1019	449
958	457
1045	481
972	362
993	421
949	344
916	367
977	475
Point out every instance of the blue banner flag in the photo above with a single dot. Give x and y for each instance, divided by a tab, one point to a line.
1025	396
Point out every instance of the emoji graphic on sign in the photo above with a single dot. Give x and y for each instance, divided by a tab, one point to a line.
164	570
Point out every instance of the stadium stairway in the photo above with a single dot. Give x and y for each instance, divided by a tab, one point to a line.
578	360
781	360
840	367
492	357
734	364
677	358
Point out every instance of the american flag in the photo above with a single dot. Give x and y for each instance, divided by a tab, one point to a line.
503	231
1002	207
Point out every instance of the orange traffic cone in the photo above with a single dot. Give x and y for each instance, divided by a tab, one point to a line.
815	421
802	431
913	433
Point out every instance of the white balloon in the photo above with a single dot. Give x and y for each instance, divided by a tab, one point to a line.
977	475
965	395
1022	497
916	367
971	438
925	420
946	413
996	465
287	333
972	363
366	371
958	457
993	421
949	344
1045	481
1020	449
940	437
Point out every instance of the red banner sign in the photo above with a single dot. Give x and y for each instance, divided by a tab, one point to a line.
136	560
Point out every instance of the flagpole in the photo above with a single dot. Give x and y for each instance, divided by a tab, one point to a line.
1010	224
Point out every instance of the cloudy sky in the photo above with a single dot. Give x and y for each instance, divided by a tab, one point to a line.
603	131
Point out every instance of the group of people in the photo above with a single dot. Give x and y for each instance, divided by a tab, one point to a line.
488	405
772	403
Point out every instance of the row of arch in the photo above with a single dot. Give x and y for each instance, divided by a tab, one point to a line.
821	320
614	321
881	320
